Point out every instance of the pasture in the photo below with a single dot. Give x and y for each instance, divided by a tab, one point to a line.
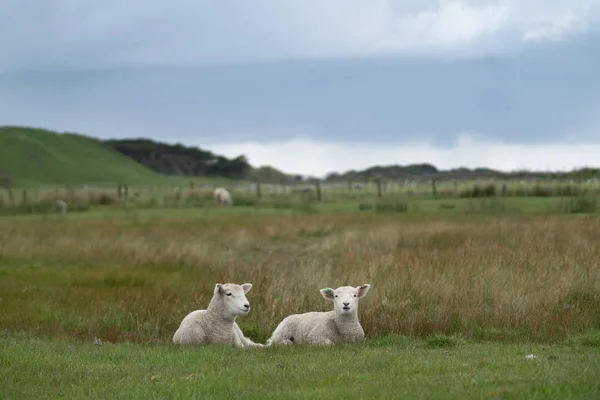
463	289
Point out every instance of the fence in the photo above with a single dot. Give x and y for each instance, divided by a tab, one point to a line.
248	193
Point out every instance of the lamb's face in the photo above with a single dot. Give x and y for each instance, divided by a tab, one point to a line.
345	298
234	297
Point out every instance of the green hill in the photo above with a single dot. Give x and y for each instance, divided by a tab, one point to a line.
36	157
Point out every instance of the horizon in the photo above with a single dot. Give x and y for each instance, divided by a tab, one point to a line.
339	172
498	84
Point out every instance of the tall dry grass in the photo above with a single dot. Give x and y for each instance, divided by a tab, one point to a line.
496	278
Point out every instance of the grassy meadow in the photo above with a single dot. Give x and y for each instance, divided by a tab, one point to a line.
463	289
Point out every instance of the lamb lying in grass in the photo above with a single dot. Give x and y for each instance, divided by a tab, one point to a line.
216	324
324	328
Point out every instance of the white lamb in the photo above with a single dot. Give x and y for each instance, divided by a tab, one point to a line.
61	206
216	324
222	197
324	328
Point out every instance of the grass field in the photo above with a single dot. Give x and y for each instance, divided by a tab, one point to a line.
460	295
386	368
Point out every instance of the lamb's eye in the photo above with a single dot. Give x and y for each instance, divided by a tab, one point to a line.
336	295
354	295
228	294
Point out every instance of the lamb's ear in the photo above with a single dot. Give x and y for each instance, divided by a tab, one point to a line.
219	289
327	293
246	287
362	290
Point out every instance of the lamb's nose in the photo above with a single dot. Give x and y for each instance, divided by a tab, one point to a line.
346	304
247	305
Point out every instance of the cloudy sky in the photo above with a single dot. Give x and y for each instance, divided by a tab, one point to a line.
507	84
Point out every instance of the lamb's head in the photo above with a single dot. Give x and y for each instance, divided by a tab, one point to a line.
345	298
234	298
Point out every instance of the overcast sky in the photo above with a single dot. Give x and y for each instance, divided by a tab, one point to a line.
347	84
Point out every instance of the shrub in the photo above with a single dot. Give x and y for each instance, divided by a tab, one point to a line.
578	205
103	199
540	191
477	190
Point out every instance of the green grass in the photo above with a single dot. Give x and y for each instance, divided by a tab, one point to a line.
38	157
112	213
385	368
415	208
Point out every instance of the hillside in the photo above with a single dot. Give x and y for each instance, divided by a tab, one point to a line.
38	157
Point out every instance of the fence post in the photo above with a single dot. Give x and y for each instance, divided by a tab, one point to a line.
318	187
433	187
378	187
11	197
258	192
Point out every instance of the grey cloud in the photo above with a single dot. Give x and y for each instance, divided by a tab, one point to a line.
39	34
539	96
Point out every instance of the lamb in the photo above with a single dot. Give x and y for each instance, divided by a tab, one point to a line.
216	324
222	197
324	328
61	206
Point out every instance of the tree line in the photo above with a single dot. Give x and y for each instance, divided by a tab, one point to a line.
177	159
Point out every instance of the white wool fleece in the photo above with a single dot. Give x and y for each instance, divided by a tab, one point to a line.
222	197
216	324
325	328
